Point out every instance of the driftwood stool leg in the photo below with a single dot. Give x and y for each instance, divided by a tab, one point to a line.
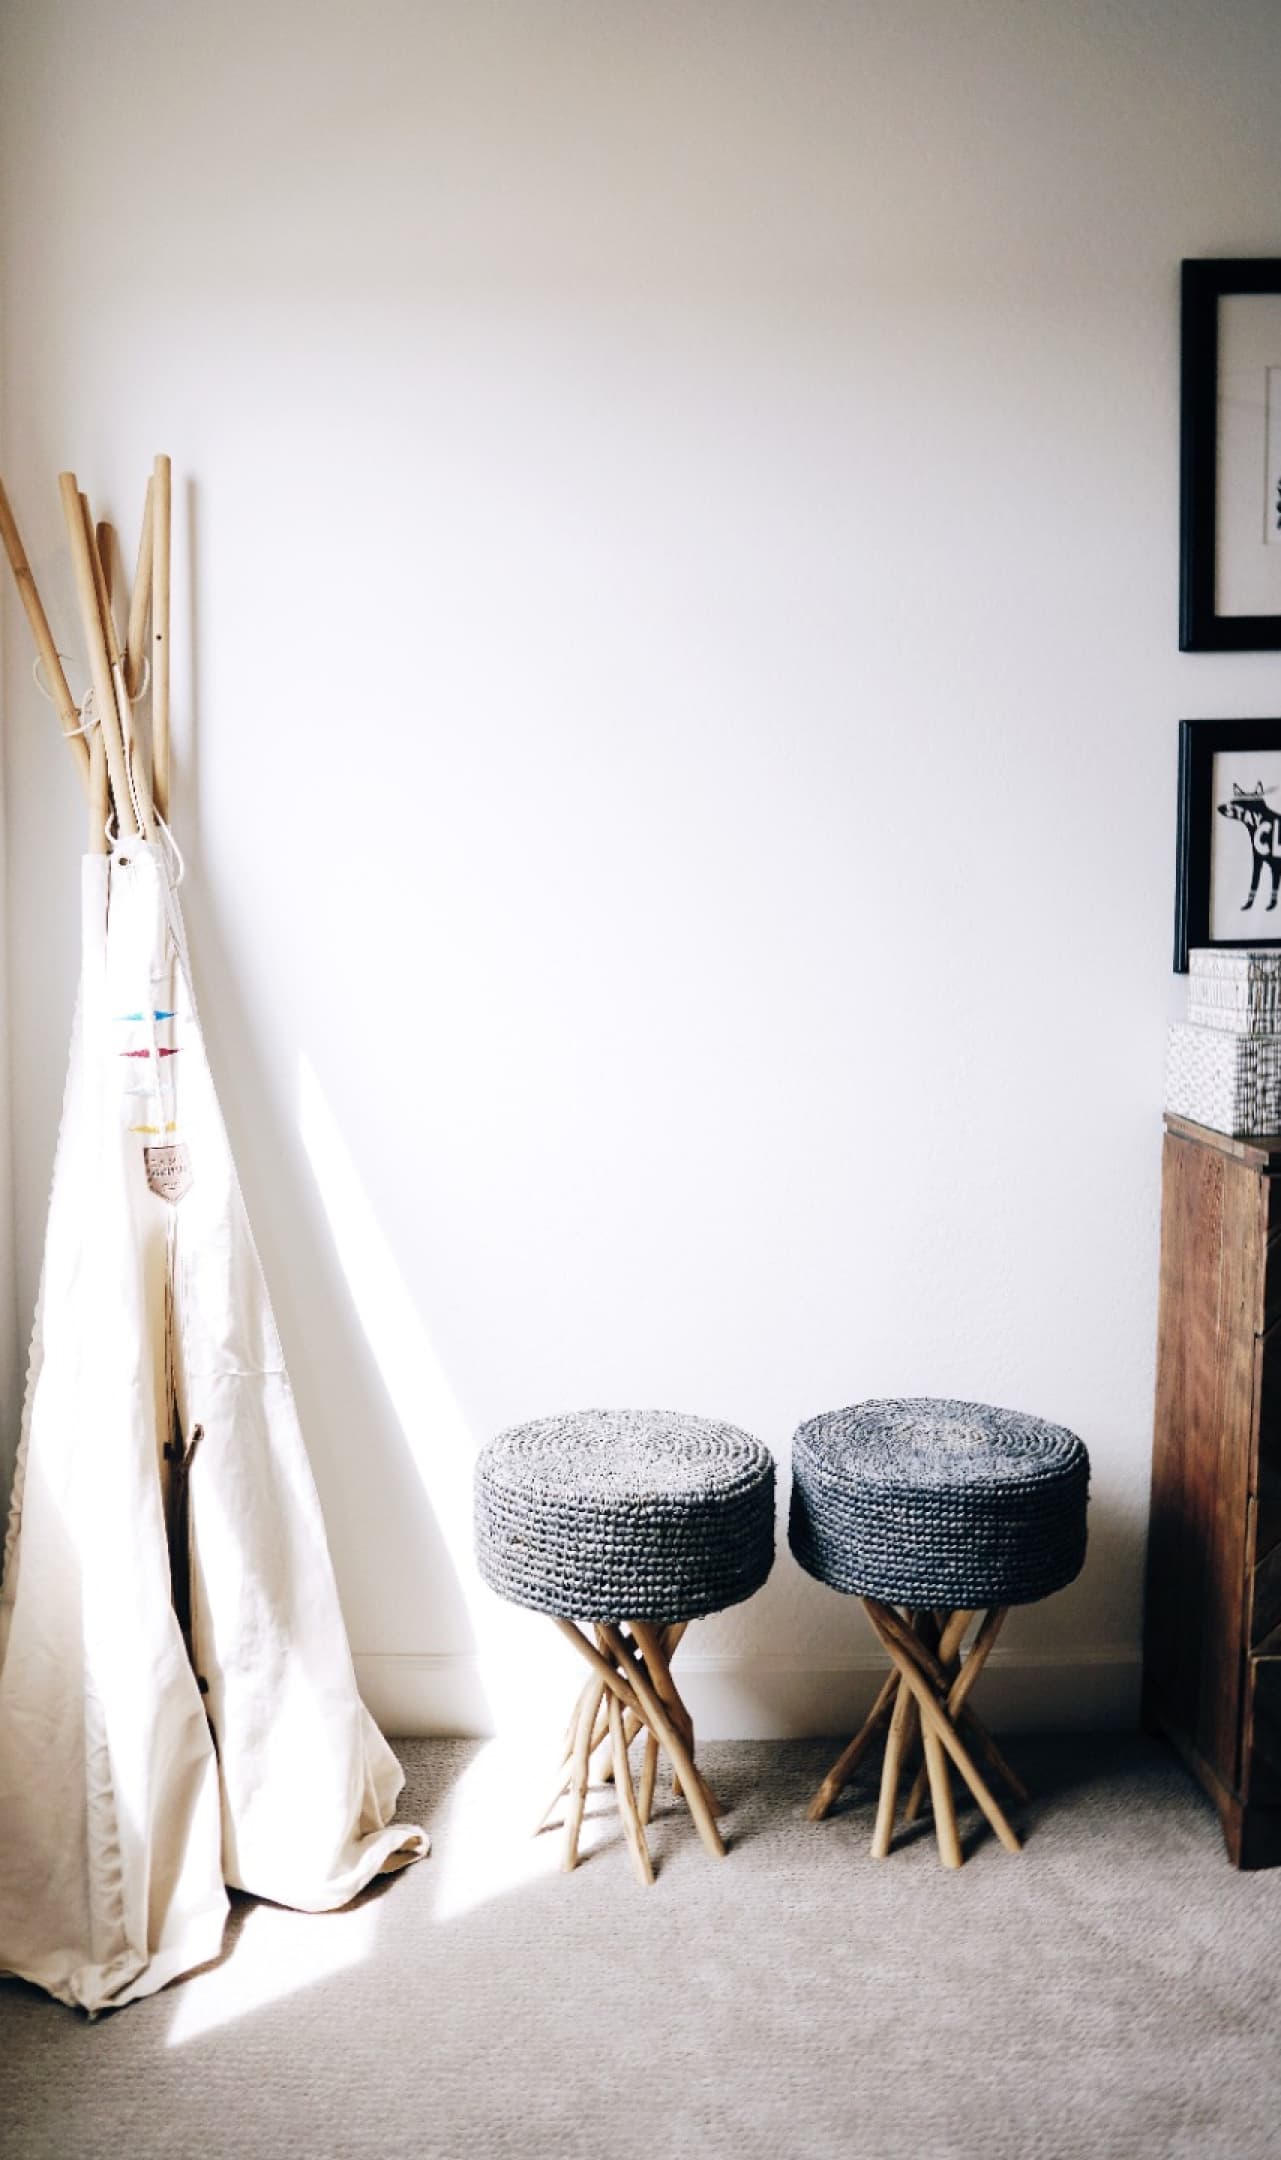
655	1716
649	1771
923	1674
606	1681
629	1691
958	1710
654	1648
598	1692
993	1622
945	1830
951	1636
670	1637
578	1773
632	1827
896	1742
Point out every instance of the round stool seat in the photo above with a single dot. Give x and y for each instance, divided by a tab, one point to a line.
625	1515
928	1503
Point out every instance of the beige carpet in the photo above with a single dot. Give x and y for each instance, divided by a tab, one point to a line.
1112	1992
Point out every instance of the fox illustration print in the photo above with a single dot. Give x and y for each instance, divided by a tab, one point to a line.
1263	824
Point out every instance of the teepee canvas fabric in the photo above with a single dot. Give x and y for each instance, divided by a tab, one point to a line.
178	1709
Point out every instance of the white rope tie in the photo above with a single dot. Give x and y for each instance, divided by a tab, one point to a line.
176	851
88	717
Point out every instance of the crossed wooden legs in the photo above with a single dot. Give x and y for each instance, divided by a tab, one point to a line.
927	1692
630	1690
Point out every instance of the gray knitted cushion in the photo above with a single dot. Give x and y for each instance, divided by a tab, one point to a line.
625	1515
938	1503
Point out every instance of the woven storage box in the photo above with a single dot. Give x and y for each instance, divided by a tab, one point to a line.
1239	992
1232	1083
625	1515
925	1502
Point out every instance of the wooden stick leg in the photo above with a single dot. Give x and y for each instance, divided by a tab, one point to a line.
949	1843
935	1720
632	1828
962	1716
591	1687
653	1647
895	1743
650	1642
951	1636
631	1726
649	1771
656	1718
672	1638
578	1774
842	1770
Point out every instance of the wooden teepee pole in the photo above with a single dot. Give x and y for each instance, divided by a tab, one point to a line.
140	601
48	651
99	779
104	694
161	522
116	662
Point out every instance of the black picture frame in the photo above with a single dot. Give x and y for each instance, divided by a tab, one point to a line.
1201	628
1200	742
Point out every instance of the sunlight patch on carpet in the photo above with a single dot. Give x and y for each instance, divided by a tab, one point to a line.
275	1954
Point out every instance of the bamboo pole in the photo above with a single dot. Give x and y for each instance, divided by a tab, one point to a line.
115	660
161	527
99	778
104	694
101	579
140	600
99	796
55	680
105	536
117	672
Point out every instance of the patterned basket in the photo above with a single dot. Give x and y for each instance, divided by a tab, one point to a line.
1239	992
1230	1082
928	1503
625	1515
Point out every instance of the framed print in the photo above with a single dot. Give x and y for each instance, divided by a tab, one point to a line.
1230	479
1228	870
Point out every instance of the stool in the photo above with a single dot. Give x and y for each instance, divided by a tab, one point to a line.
623	1526
935	1513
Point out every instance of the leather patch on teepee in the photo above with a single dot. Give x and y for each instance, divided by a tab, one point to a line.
168	1170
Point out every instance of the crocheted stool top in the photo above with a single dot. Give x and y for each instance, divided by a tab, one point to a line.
929	1503
625	1515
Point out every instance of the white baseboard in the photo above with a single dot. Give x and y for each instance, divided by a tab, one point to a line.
781	1697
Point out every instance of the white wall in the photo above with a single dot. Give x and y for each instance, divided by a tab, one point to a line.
676	700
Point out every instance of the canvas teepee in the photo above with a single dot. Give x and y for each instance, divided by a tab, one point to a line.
178	1709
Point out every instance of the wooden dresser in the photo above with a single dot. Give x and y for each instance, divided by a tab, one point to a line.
1212	1618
